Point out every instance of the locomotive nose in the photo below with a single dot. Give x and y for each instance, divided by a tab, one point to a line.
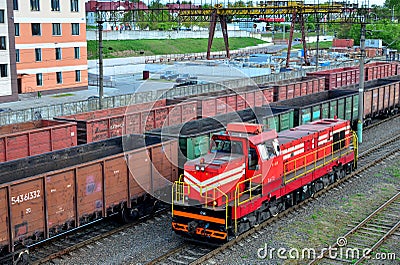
192	226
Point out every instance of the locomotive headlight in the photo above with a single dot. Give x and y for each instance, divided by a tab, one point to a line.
197	167
215	203
202	168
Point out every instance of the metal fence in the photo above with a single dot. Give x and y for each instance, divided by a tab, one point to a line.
50	111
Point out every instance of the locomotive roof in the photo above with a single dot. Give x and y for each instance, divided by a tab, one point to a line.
307	129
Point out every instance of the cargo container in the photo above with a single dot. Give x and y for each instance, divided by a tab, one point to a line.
342	104
103	124
194	136
35	137
348	43
45	195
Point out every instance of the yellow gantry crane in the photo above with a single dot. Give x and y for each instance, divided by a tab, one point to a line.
296	9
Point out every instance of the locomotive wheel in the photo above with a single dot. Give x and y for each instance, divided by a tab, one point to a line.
243	227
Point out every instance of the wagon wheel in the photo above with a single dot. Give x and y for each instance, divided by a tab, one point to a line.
129	215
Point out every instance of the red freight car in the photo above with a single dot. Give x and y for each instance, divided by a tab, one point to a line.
297	87
35	137
222	102
43	196
346	76
103	124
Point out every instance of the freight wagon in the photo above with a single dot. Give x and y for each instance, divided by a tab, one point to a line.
296	87
340	77
221	102
194	136
35	137
381	98
45	195
342	104
103	124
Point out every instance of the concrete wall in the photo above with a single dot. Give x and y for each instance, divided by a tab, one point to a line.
48	112
143	34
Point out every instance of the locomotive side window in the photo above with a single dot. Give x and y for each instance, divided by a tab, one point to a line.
267	150
253	159
226	146
338	140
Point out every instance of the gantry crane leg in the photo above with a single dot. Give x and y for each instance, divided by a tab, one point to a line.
303	38
224	28
211	32
290	38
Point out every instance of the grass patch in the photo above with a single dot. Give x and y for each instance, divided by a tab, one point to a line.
394	171
62	95
127	48
313	45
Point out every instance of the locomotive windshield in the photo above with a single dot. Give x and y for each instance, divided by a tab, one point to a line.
267	150
227	146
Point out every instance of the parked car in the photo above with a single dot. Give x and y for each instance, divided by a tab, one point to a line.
169	75
185	78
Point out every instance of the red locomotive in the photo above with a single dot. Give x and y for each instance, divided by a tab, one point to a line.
251	174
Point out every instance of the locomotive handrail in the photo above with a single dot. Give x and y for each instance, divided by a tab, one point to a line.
328	157
179	192
238	194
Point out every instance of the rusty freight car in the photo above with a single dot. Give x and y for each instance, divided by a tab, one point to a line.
35	137
45	195
103	124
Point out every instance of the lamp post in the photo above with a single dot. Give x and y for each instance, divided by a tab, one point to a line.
101	75
361	84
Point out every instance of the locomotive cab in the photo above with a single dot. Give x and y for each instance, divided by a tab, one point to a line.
234	170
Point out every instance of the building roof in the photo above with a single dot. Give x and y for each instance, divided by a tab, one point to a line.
93	6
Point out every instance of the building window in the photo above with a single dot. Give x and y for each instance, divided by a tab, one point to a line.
77	52
15	4
55	5
1	15
56	29
36	30
16	29
3	45
17	55
77	75
75	28
35	5
38	54
58	53
39	79
3	70
74	5
59	77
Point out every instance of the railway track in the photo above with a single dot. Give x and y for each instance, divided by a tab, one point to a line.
366	236
367	159
73	240
183	254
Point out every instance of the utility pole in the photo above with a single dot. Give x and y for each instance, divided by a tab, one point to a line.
101	74
317	51
361	84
